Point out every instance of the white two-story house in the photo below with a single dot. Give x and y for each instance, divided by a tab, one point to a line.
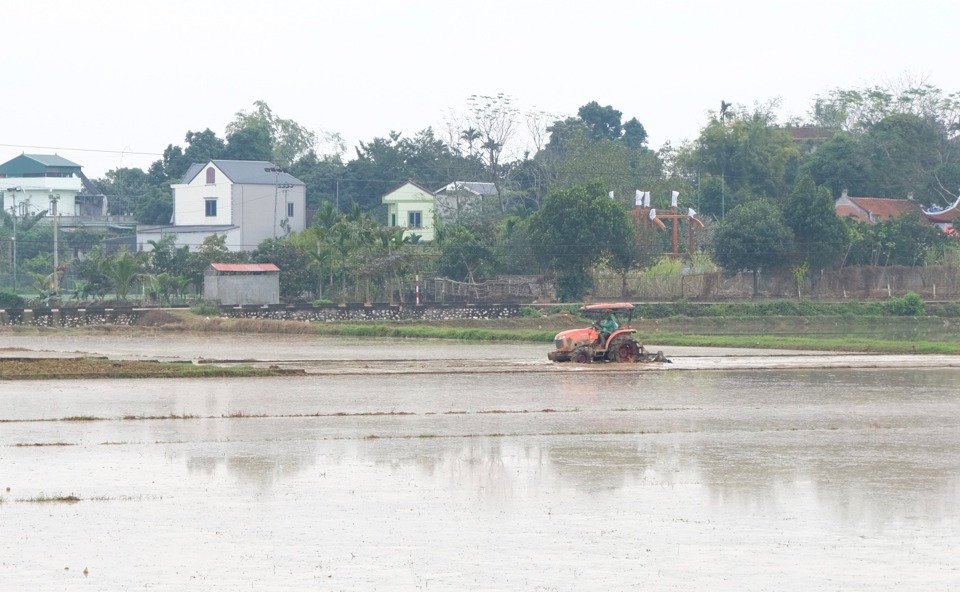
247	201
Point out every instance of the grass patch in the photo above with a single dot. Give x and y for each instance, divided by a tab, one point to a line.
435	332
849	344
152	417
46	499
71	368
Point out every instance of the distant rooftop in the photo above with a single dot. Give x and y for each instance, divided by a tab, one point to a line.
244	172
475	187
39	165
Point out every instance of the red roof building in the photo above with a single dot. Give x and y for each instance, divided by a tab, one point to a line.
874	209
945	219
877	209
245	267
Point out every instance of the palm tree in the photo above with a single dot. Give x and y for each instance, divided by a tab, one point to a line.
123	270
725	111
470	136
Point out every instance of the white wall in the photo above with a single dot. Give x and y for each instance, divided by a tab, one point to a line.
189	200
35	192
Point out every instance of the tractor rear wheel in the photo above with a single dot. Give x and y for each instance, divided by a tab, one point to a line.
581	355
624	350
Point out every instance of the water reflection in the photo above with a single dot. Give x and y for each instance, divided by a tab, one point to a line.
805	479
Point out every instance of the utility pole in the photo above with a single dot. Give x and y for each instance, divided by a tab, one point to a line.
13	238
54	198
276	193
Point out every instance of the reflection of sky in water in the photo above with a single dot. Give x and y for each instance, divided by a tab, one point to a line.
782	479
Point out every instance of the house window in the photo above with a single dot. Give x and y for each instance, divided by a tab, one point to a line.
211	175
289	210
210	208
415	220
393	219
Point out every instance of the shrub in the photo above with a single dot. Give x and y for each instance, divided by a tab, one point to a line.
910	305
8	300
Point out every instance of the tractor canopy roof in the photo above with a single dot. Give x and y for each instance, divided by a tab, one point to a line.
607	308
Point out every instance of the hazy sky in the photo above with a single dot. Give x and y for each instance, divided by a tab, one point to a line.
123	79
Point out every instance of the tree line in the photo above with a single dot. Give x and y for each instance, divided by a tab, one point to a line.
765	188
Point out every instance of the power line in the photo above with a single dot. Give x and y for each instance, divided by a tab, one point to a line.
58	148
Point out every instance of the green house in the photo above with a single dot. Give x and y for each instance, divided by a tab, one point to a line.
411	207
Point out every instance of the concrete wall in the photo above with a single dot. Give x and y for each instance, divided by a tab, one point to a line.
242	289
259	211
79	317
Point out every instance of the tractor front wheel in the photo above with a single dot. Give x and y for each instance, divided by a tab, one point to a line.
624	350
581	355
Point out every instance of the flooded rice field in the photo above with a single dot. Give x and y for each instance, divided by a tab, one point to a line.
403	465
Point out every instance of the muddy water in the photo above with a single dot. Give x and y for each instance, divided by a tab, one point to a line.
773	479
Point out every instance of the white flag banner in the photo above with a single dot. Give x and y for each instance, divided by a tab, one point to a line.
611	195
646	199
639	198
673	198
653	214
691	212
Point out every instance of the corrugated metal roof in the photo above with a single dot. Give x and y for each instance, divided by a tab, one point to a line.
174	229
245	172
245	267
36	164
52	160
192	172
476	187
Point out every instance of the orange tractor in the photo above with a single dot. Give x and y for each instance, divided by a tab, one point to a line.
604	340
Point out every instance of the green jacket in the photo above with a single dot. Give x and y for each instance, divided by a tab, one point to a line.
610	324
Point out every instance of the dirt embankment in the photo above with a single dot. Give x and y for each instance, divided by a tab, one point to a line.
25	368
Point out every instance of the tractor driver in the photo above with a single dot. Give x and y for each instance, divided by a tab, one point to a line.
608	326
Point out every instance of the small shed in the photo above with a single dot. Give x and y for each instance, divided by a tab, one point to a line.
242	283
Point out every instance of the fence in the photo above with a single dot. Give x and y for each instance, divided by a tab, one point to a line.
932	282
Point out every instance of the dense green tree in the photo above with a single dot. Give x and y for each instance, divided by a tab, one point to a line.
820	236
574	230
905	153
123	187
166	257
289	140
642	251
212	250
155	206
904	240
753	237
750	155
90	273
463	255
296	277
840	163
322	177
634	134
513	247
603	122
859	109
249	143
202	147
